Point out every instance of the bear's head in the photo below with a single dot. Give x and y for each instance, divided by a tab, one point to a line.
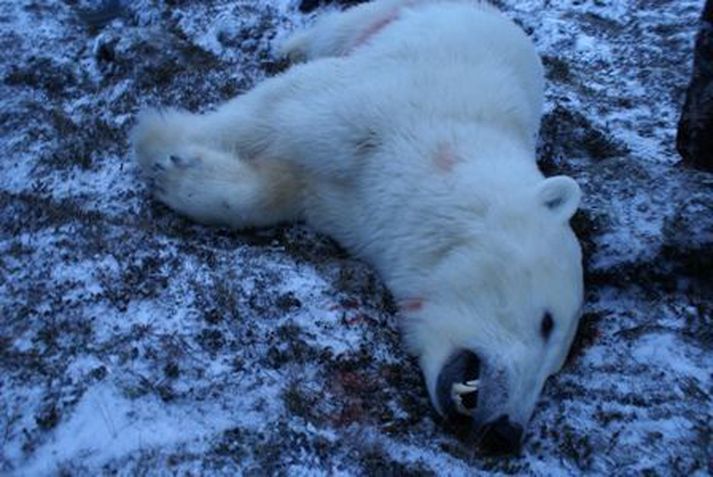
501	312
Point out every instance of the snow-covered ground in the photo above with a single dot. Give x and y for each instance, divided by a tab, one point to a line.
133	341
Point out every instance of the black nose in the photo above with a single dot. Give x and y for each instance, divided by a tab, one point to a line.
501	436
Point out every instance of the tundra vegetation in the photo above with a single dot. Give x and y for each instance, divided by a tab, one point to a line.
133	340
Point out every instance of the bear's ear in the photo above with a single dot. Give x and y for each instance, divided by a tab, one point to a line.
560	195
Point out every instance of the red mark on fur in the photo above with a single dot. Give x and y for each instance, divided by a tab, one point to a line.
411	305
375	28
445	157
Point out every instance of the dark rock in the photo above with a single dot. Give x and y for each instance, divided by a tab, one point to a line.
695	129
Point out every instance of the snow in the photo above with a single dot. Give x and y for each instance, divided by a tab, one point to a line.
106	425
132	341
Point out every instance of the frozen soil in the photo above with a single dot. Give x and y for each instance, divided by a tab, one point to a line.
133	341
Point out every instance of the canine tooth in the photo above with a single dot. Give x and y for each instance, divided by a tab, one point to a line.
463	388
475	384
460	389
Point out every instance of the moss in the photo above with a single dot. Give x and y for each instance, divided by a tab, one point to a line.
377	462
48	418
232	444
576	447
42	73
288	302
298	402
172	370
557	69
211	340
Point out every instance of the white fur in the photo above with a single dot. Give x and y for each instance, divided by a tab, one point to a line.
409	136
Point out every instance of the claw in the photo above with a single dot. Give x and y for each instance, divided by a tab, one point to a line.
182	162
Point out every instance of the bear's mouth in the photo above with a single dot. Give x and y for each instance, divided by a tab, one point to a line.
458	384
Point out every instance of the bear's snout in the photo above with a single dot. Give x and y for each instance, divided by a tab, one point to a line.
468	393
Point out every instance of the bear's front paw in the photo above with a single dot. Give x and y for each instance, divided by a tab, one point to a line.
174	178
196	181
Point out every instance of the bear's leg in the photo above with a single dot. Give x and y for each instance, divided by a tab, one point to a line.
339	33
209	183
294	119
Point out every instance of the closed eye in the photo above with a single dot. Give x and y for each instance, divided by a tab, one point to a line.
546	325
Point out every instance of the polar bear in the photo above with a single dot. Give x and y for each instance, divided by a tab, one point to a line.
408	134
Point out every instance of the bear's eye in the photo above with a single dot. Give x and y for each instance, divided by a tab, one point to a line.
546	325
